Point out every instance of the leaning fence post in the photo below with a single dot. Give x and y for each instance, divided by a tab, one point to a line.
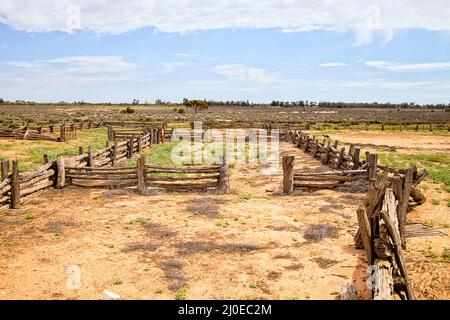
60	172
288	174
224	179
141	174
15	185
5	169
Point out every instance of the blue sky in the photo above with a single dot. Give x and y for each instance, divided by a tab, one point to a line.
106	52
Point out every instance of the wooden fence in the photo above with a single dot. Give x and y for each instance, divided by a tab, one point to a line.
382	218
145	177
15	187
52	132
381	233
158	135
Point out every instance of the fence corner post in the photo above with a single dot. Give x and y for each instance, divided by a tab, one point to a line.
288	174
141	173
15	185
60	173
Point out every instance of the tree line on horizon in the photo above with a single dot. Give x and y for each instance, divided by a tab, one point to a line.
245	103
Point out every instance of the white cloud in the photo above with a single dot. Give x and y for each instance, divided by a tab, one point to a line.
168	67
185	55
391	66
394	85
77	64
246	73
364	17
333	64
71	70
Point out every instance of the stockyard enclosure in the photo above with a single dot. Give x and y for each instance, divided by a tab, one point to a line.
231	202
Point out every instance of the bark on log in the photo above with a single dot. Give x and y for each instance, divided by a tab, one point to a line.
418	196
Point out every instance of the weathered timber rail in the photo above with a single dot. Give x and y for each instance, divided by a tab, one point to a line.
146	177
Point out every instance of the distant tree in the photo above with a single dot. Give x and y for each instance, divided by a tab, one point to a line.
135	102
2	101
196	104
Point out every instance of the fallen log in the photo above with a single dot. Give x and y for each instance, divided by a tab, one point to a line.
417	195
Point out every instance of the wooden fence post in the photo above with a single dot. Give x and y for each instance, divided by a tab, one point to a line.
288	174
372	169
80	150
407	183
130	148
46	160
355	157
114	154
60	172
110	133
62	133
224	179
5	169
15	185
141	173
139	143
340	157
52	128
90	162
150	138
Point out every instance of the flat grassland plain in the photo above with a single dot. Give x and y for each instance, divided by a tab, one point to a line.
254	243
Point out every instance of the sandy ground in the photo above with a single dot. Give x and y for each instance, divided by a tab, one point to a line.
247	245
403	142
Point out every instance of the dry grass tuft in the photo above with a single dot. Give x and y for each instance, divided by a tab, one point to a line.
158	231
317	232
324	263
144	246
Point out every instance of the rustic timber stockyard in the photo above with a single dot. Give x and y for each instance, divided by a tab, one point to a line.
225	150
125	167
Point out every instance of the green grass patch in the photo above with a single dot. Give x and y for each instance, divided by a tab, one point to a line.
29	217
181	294
435	202
437	164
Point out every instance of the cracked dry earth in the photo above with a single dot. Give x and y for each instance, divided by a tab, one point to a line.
252	244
